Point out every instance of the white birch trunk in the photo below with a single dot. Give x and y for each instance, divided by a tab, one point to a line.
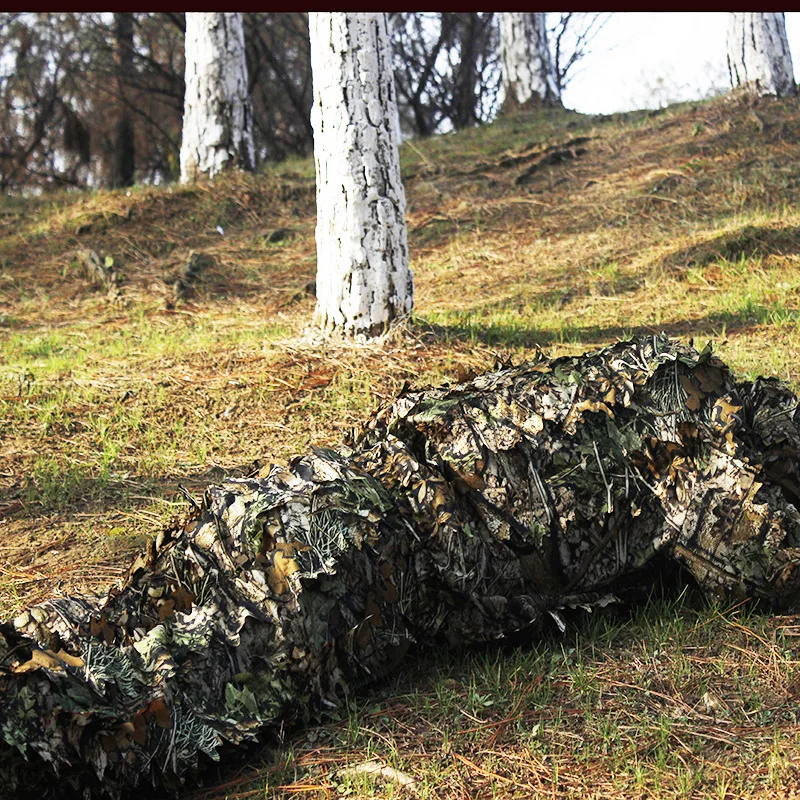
364	283
529	75
758	53
217	116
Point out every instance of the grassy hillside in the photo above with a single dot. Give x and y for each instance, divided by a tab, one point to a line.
554	230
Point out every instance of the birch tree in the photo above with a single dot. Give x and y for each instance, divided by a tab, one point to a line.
529	76
364	283
217	117
758	53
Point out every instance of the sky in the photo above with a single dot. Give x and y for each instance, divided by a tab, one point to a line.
648	59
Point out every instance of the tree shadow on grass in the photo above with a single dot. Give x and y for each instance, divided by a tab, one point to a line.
749	241
78	491
712	325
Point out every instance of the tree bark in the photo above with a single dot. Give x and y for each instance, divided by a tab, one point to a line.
759	60
529	76
467	28
123	165
463	514
364	284
217	118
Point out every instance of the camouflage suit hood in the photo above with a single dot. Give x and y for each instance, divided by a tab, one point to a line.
461	514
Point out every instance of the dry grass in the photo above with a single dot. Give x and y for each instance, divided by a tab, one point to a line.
558	230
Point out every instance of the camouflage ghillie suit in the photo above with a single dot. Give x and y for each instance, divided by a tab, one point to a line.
461	514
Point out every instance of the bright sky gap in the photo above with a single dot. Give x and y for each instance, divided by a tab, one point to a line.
649	59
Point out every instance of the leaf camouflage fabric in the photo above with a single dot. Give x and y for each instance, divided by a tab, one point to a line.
460	514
